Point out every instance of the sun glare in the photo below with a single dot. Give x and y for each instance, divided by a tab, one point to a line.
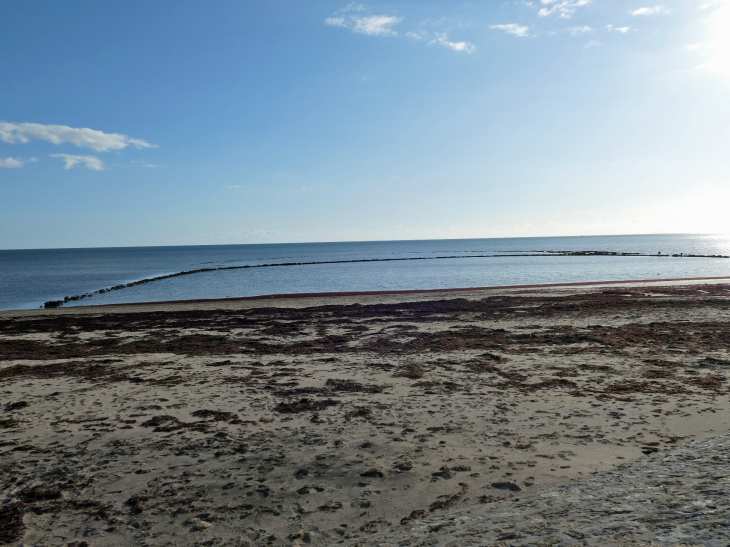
720	46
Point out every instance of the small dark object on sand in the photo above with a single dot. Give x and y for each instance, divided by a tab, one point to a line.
11	523
363	412
42	492
372	473
506	486
351	385
410	371
305	405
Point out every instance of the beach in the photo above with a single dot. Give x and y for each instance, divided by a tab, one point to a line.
364	419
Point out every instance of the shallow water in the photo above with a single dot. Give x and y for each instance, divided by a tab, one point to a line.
30	277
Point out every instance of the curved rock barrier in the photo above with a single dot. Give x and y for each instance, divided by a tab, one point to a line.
677	497
59	303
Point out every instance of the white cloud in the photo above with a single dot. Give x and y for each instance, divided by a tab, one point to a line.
622	30
11	163
443	40
563	8
335	21
575	31
90	162
515	30
370	25
376	25
350	17
656	10
592	43
59	134
353	6
420	35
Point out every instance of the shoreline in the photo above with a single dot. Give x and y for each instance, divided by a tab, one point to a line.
402	292
426	291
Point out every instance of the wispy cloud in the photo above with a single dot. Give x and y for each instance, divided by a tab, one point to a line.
59	134
592	43
11	163
90	162
442	39
376	25
513	29
621	30
561	8
575	31
656	10
355	18
351	17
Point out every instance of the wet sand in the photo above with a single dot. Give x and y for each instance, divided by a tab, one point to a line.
333	418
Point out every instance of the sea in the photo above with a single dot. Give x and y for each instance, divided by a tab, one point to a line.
29	278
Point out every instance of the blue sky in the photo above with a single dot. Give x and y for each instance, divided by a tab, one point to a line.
166	123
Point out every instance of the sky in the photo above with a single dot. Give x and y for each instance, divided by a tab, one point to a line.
195	123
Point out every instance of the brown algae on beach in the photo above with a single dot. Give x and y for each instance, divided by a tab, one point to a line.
318	421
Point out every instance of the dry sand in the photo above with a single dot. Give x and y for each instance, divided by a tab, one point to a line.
325	420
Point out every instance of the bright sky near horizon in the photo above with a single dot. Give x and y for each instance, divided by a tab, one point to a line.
171	123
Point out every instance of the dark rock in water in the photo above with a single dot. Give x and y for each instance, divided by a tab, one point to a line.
53	304
506	486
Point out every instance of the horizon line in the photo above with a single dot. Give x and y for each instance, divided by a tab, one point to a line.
350	241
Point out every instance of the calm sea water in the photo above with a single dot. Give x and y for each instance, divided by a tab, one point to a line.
30	277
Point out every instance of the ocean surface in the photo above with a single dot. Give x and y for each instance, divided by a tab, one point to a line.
28	278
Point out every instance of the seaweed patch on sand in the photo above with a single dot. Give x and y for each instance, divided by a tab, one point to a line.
338	419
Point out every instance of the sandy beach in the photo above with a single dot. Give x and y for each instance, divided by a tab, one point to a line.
358	419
